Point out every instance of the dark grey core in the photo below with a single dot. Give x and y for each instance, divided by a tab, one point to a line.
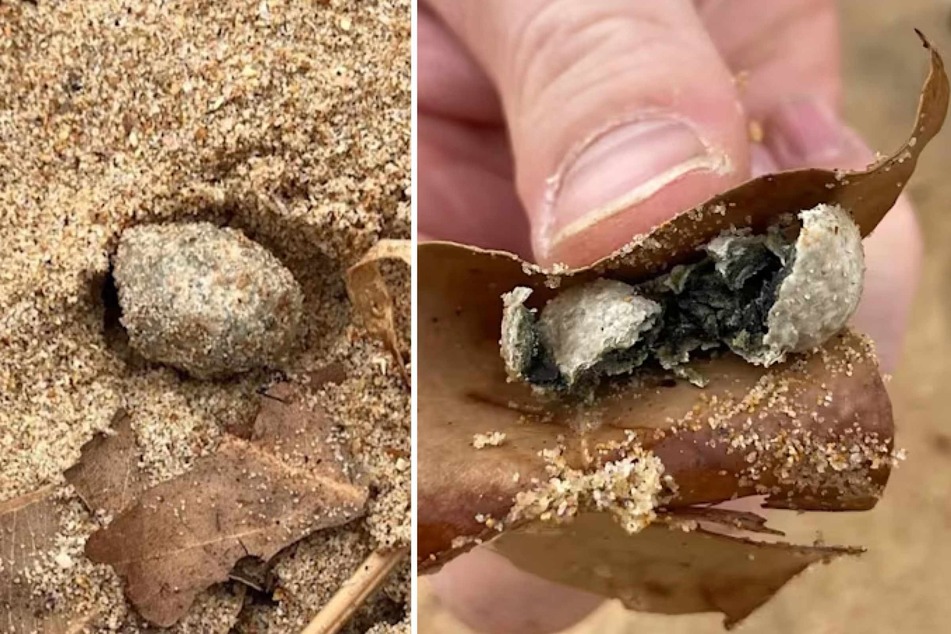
722	300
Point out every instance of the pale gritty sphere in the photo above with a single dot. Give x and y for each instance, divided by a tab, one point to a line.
206	300
824	287
587	322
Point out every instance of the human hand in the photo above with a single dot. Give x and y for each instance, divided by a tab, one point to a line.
558	130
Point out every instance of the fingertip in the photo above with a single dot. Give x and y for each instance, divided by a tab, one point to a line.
489	594
808	132
761	161
893	258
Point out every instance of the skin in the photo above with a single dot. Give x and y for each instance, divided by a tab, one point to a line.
558	129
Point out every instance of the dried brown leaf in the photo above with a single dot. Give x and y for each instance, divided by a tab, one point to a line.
247	499
254	573
107	476
330	374
368	291
717	520
801	411
662	569
28	527
215	611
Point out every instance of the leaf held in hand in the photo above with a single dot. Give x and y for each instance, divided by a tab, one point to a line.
812	433
662	569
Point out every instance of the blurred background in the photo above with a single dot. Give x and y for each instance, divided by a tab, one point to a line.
901	584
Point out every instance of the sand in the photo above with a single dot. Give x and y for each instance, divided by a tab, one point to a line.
289	121
900	584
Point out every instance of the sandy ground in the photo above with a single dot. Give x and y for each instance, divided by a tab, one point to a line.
900	584
287	120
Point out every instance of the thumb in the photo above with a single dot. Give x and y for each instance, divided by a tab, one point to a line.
620	112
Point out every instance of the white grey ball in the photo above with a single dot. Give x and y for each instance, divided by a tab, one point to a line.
584	323
205	299
822	291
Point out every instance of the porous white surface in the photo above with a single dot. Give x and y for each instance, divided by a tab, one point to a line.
586	322
823	289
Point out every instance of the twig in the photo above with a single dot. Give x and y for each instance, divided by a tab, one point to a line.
351	595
